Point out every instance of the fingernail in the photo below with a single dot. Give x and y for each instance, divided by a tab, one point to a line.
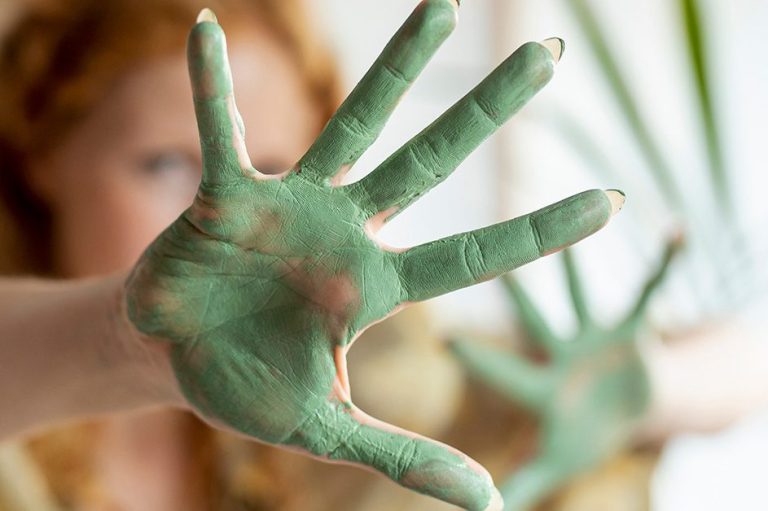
207	15
496	503
617	199
556	47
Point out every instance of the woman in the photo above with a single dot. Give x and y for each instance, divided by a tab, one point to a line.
243	309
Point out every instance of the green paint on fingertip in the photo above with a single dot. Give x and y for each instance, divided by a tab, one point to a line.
361	117
449	478
571	220
208	62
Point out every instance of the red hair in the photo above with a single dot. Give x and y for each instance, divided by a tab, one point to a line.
58	60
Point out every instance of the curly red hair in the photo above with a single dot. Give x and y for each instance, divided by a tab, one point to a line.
59	58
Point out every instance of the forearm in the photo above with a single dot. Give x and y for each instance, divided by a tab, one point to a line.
68	351
708	379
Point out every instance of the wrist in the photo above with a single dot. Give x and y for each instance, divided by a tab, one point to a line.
707	379
144	360
72	353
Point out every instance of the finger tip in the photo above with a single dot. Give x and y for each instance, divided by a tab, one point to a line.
455	478
494	502
497	501
456	4
617	199
208	28
207	61
205	39
207	16
442	16
556	47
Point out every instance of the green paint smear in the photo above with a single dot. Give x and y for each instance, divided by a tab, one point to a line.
263	279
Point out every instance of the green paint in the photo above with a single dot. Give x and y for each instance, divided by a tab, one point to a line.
362	116
590	395
432	155
265	281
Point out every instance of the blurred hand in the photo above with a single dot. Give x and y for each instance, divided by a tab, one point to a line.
591	395
261	286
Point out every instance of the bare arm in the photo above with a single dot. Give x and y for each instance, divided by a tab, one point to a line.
707	379
67	350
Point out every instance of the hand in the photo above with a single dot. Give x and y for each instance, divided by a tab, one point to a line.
262	285
591	395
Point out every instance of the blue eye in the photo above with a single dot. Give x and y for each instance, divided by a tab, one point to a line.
169	162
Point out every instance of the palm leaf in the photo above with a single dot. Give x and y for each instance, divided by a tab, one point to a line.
597	39
697	46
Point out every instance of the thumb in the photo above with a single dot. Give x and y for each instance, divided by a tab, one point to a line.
343	433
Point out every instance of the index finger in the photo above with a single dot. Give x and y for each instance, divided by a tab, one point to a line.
225	157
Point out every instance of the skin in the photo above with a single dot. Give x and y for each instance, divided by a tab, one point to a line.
592	394
263	283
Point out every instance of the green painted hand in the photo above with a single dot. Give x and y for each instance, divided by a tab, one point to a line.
262	285
590	395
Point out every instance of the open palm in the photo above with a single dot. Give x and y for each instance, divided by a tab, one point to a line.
264	282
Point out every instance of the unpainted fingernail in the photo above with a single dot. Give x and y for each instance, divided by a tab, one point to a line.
617	199
497	502
556	47
207	15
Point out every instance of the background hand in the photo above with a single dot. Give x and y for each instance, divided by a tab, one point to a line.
590	395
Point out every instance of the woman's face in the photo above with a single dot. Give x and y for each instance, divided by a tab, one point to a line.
130	168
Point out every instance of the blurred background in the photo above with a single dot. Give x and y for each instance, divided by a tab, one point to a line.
634	106
662	99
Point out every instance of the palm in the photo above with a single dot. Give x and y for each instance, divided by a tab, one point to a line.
599	391
277	296
264	282
590	395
